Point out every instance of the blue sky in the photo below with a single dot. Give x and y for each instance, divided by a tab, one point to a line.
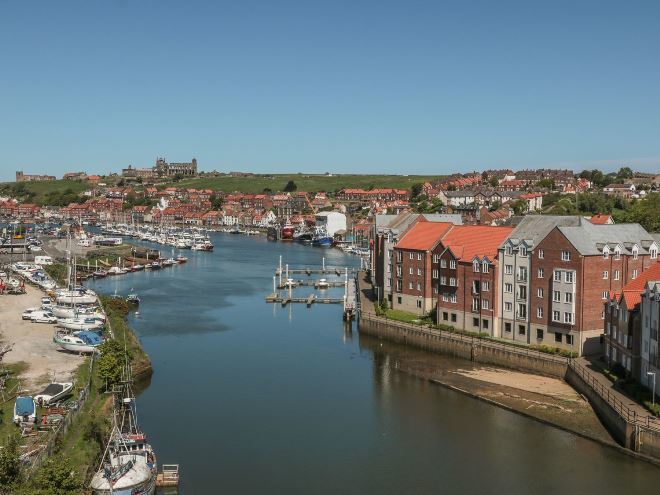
345	86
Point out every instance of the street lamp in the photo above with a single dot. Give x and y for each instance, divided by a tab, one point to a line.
652	373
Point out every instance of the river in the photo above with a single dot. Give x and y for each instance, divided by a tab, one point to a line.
253	398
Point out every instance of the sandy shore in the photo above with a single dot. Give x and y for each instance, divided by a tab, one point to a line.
33	342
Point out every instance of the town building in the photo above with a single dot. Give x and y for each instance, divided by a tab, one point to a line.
331	221
624	191
650	318
165	169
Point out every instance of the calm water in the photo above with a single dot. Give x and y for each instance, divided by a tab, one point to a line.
252	398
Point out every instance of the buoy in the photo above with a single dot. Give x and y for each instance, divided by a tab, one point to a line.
137	313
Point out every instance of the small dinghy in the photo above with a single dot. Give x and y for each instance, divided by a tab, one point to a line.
52	393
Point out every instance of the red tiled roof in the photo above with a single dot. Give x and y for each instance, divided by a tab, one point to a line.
632	291
424	235
468	241
600	219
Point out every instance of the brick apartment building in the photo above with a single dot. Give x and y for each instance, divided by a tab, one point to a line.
413	289
465	270
603	259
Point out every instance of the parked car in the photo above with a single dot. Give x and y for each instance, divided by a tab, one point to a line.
46	301
43	317
27	314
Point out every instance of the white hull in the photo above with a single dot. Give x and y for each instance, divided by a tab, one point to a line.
77	299
77	348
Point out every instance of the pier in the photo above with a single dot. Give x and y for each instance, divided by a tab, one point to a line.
169	477
349	299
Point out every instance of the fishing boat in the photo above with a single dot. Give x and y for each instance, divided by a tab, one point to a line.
52	393
129	465
156	265
287	231
80	342
181	259
25	410
99	274
133	298
321	238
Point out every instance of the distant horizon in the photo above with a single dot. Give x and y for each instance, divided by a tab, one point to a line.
606	166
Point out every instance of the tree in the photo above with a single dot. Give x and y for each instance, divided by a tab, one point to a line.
495	205
57	477
416	189
494	182
644	212
548	183
290	186
111	362
624	173
10	465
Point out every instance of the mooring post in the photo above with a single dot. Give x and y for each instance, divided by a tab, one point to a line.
280	265
324	264
287	273
274	286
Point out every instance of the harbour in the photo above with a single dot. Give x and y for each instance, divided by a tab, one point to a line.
305	403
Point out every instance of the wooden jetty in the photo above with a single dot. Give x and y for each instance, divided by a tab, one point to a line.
169	476
349	300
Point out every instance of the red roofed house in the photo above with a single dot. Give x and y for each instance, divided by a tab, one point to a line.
467	264
622	324
413	286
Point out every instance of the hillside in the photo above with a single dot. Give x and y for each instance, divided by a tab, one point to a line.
56	192
304	182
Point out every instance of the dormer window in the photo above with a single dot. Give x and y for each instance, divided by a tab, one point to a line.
475	266
617	253
635	252
606	253
508	250
484	267
653	252
523	251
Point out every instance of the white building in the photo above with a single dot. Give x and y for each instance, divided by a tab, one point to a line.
332	221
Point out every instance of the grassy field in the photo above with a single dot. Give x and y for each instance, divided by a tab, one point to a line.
36	192
305	182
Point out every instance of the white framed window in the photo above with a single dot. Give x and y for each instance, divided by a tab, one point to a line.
452	281
635	252
602	316
617	253
435	289
556	296
485	304
617	274
541	254
419	271
475	266
634	273
410	270
539	312
435	258
569	277
419	256
484	267
557	275
419	287
653	252
605	274
508	250
508	269
522	311
508	287
566	256
540	273
485	286
453	298
605	294
568	297
606	253
443	280
539	292
556	316
508	306
452	264
445	297
410	285
443	263
435	273
568	317
523	251
411	255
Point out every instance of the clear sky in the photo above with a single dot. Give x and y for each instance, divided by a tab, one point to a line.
364	86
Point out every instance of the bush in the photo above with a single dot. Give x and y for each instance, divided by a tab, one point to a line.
10	466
